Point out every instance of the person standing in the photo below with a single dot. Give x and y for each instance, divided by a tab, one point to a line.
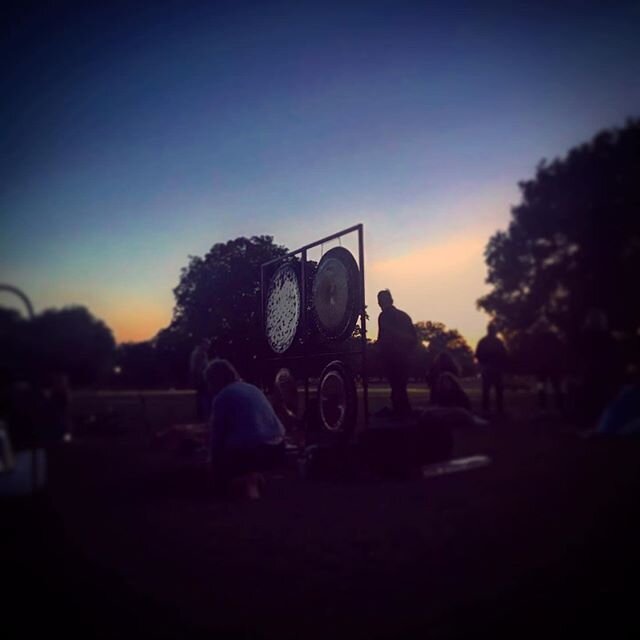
492	357
197	366
397	341
546	360
600	367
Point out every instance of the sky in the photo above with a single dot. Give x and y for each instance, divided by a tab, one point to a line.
136	136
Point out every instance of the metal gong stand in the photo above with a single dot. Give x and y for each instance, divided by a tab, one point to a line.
307	315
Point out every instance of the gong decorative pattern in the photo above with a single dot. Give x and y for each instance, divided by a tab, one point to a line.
282	309
336	294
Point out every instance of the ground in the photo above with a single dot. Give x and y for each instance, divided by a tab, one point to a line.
128	540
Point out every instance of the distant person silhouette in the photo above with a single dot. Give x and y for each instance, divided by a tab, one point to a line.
397	341
197	367
58	407
492	357
599	366
547	363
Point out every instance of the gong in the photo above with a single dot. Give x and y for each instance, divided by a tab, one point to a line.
336	294
337	399
282	309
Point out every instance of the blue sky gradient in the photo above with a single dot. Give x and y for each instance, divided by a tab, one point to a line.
134	138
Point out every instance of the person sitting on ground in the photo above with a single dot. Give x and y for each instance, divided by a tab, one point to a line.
246	437
449	405
284	399
448	392
442	363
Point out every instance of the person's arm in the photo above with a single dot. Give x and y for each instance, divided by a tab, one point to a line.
413	334
412	330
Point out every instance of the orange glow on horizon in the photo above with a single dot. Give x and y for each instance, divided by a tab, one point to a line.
439	281
137	324
451	255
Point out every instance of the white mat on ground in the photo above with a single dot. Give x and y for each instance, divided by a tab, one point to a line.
455	466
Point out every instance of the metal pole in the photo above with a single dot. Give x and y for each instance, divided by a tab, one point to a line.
22	296
304	355
303	286
261	321
333	236
363	328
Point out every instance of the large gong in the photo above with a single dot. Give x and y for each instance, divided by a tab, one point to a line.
336	294
282	309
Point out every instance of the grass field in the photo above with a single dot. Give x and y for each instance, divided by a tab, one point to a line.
158	409
129	540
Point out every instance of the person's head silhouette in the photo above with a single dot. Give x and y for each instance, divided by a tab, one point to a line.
218	374
385	299
492	329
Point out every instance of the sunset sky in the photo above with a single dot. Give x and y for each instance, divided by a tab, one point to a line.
135	138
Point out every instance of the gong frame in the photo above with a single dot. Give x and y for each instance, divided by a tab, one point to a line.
305	352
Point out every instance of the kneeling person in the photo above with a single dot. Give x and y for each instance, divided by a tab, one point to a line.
246	436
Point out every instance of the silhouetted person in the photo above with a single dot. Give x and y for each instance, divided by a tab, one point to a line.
284	398
547	363
197	366
442	363
599	366
492	357
58	407
448	392
397	340
246	437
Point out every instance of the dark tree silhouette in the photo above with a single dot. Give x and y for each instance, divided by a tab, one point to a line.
139	366
16	353
573	242
218	297
435	338
72	340
69	340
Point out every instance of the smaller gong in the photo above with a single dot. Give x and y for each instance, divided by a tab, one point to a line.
337	399
336	294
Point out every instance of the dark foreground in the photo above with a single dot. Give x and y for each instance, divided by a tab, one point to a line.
128	541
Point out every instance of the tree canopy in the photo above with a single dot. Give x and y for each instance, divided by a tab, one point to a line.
436	337
573	243
218	297
68	340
